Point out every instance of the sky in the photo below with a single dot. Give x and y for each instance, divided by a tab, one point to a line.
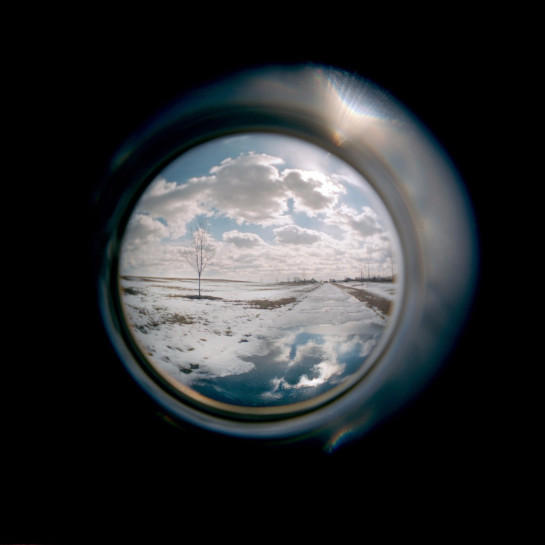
277	209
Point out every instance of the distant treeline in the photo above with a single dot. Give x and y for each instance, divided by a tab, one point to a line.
297	280
370	279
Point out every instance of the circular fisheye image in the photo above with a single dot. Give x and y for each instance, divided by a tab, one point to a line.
259	273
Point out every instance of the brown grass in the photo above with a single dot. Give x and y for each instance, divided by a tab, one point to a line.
178	319
271	303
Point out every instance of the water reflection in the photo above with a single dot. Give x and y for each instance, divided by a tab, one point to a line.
315	364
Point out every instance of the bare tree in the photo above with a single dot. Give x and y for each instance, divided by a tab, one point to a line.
202	251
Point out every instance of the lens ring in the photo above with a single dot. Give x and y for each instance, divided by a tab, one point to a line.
367	129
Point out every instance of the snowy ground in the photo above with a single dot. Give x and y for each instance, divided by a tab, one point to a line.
251	343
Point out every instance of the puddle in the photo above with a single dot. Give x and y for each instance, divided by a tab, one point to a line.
294	369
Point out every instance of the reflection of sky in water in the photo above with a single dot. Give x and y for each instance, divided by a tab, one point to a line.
295	368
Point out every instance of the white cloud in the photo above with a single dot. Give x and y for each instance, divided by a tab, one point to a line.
312	192
248	189
152	260
251	190
293	234
142	229
363	223
175	204
242	240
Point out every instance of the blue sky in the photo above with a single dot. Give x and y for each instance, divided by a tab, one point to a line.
276	208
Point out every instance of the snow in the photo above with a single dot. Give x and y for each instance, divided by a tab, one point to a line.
285	336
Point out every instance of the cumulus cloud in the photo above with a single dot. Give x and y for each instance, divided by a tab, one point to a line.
251	189
312	192
293	234
142	229
242	240
363	223
176	204
248	189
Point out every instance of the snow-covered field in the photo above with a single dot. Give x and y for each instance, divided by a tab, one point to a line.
250	343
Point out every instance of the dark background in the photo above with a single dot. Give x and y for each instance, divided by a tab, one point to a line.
84	452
